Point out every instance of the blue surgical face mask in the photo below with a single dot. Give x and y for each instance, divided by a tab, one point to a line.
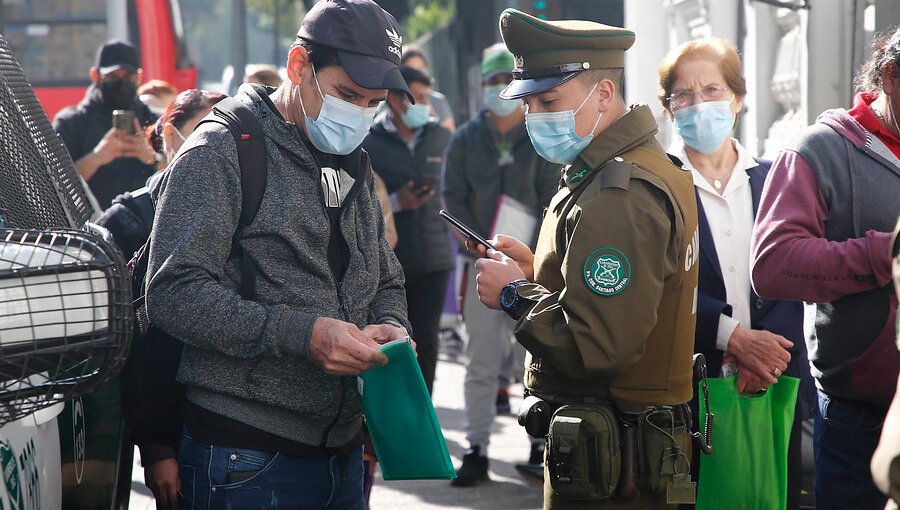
416	115
497	105
704	127
553	134
341	126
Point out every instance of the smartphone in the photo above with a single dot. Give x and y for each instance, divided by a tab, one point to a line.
425	185
123	120
465	230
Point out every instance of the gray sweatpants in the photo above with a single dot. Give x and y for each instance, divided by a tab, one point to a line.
490	357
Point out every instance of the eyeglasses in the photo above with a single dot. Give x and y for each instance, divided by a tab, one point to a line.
685	98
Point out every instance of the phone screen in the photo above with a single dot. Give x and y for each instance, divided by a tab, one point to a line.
123	120
465	230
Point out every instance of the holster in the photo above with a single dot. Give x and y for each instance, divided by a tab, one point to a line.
535	414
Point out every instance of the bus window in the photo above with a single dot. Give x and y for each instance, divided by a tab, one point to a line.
55	42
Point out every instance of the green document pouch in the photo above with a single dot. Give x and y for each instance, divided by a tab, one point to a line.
583	452
401	419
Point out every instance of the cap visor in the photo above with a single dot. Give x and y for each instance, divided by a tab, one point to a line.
109	69
521	88
374	73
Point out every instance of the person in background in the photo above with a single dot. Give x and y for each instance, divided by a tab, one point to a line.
491	158
406	146
130	217
702	90
112	161
129	220
415	58
822	235
263	74
157	94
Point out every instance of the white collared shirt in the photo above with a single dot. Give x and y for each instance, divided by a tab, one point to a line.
730	218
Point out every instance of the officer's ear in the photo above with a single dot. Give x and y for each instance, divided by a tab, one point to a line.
297	69
607	92
95	75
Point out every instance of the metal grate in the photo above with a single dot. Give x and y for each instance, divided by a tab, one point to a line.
38	184
65	317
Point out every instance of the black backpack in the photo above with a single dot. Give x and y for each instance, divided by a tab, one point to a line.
151	399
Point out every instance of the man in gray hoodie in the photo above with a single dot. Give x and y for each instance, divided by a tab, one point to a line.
270	378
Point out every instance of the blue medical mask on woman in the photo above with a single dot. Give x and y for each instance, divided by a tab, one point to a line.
704	127
553	134
341	126
416	115
496	104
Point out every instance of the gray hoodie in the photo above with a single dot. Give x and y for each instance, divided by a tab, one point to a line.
249	360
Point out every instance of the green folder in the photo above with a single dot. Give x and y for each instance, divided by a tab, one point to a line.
401	419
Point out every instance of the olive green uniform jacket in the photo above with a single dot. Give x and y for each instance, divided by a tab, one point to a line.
615	275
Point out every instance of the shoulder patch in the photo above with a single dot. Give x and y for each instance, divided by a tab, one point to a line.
579	175
607	271
616	173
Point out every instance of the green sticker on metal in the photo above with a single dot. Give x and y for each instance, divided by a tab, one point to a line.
607	271
11	474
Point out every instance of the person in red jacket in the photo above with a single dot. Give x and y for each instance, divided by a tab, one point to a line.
822	235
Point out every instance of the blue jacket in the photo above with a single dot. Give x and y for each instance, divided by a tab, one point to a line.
783	318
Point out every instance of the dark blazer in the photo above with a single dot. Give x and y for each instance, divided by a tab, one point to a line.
783	318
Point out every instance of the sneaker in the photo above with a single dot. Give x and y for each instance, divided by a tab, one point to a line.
474	469
534	470
503	407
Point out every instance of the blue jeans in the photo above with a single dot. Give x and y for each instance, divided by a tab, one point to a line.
844	439
264	480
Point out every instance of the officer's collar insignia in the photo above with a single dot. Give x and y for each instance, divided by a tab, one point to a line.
607	271
579	175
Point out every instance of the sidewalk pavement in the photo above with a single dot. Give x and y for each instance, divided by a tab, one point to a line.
507	490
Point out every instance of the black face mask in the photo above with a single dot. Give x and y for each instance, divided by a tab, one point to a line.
118	94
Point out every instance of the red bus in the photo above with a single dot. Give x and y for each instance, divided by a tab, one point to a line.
56	42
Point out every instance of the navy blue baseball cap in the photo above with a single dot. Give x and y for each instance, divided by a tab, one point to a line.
115	55
366	38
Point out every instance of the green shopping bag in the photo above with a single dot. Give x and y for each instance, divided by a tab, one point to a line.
748	467
404	428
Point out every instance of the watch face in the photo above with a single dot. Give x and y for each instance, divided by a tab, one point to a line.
507	296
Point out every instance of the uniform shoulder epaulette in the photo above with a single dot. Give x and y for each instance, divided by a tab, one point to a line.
616	173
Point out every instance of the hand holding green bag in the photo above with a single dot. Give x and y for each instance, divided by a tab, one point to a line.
748	467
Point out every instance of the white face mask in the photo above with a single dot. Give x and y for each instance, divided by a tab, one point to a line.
169	151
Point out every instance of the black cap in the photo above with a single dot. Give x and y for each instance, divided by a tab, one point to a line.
366	38
117	55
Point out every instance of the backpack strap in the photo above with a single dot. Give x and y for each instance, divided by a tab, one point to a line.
251	147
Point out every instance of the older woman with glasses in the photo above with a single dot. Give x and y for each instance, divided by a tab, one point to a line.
702	90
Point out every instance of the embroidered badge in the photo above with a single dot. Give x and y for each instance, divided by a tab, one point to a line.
579	175
607	271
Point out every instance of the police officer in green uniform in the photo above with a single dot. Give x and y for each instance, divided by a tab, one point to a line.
606	304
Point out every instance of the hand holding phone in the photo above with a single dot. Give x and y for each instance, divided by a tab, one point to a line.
465	230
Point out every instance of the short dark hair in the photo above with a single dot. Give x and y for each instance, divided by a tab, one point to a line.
885	51
412	75
614	75
412	52
320	56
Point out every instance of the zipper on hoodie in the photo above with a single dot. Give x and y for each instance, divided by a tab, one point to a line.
339	285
